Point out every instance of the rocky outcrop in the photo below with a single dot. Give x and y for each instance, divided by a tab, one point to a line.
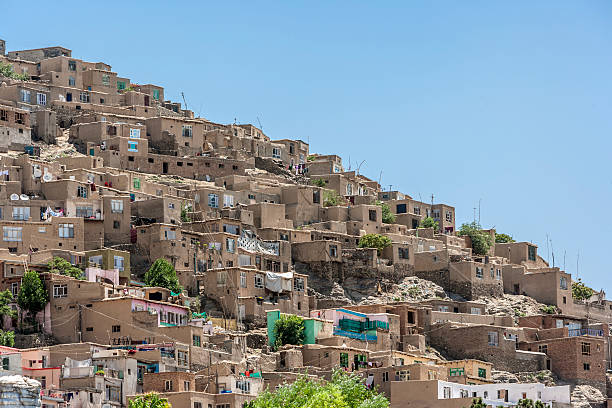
19	391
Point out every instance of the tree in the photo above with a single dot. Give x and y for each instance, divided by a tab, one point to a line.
7	338
318	182
525	403
481	241
6	70
377	241
32	295
503	238
477	403
162	274
150	400
332	198
63	267
429	222
387	216
289	329
345	390
580	291
6	297
539	404
185	213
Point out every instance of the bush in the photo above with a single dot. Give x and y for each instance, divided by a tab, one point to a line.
580	291
6	298
481	241
318	182
387	216
550	309
332	198
63	267
311	157
6	70
377	241
289	329
32	295
150	400
429	222
477	403
503	238
162	274
7	338
345	390
184	213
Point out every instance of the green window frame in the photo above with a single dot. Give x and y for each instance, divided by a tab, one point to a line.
156	94
120	85
482	372
137	183
197	340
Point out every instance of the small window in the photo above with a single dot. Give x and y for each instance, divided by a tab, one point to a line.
116	328
82	191
586	366
586	349
136	183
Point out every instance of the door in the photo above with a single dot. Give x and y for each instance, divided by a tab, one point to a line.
146	100
165	168
68	97
516	289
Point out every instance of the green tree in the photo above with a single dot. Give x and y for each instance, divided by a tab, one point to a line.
539	404
184	213
318	182
289	329
503	238
429	222
63	267
150	400
7	338
580	291
6	70
387	216
377	241
32	296
162	274
477	403
6	298
481	241
332	198
525	403
345	390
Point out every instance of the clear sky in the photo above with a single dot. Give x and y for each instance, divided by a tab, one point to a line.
506	103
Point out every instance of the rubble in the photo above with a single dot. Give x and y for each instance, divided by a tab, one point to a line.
583	396
513	305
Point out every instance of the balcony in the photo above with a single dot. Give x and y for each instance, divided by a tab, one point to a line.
585	332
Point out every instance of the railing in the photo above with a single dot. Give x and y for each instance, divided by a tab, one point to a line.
359	336
585	332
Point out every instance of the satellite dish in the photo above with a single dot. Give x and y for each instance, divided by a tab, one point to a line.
37	172
47	177
24	197
14	197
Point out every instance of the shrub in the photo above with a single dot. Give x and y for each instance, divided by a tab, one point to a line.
150	400
289	329
387	216
481	241
580	291
429	222
377	241
6	70
332	198
318	182
184	213
550	309
503	238
162	274
311	157
7	338
63	267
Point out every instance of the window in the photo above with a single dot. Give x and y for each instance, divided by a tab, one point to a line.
563	283
156	94
447	392
244	386
116	328
21	213
417	210
586	349
186	385
498	274
168	385
475	311
349	189
105	79
403	253
25	95
455	372
343	359
298	284
221	278
436	214
11	234
71	65
401	209
169	234
60	291
82	191
66	230
71	81
276	153
84	211
118	263
132	146
117	206
316	197
135	133
449	216
403	375
385	376
482	372
531	252
84	97
187	130
228	200
479	272
4	115
120	85
492	272
243	279
136	183
213	200
259	281
493	339
372	215
230	245
333	251
543	348
15	288
41	98
586	366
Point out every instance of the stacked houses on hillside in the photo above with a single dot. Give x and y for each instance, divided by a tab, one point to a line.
107	174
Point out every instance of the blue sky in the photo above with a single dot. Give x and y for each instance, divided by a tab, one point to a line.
509	102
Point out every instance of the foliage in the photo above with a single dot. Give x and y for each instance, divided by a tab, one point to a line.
184	216
32	295
477	403
377	241
332	198
429	222
318	182
311	157
63	267
6	70
150	400
503	238
481	241
345	390
7	338
550	309
289	329
387	216
525	403
580	291
162	274
6	297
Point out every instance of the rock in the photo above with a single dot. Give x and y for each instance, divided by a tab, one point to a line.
583	395
19	391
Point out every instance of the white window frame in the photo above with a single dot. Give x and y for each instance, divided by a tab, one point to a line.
213	200
118	263
243	279
132	146
12	234
493	338
230	245
66	230
25	95
41	99
134	133
21	213
187	131
228	200
117	206
259	281
276	152
60	291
